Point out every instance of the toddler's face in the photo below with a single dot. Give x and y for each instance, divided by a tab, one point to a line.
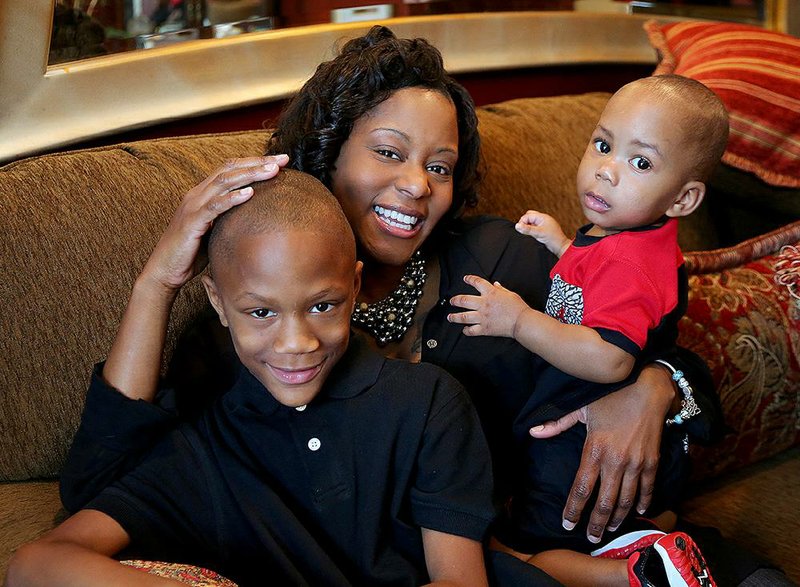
636	163
287	298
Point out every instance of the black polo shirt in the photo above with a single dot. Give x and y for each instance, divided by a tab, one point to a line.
332	494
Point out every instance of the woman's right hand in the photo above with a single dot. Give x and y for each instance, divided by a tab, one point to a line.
176	259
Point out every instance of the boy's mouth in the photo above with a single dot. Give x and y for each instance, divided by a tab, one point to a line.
294	376
396	219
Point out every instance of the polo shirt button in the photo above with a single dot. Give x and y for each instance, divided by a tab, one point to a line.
301	408
314	444
432	344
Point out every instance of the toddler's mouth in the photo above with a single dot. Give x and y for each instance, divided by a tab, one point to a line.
595	202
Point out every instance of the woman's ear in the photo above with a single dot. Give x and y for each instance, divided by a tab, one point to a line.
691	196
214	298
357	282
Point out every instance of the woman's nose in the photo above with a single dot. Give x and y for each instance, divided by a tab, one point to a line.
413	181
295	337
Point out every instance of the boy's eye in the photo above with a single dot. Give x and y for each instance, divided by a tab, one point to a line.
262	313
602	146
321	308
641	163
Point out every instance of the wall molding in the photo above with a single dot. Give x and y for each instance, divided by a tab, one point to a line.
43	107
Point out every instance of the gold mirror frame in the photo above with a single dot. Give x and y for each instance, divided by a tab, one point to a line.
42	108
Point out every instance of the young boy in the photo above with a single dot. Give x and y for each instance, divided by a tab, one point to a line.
325	464
617	293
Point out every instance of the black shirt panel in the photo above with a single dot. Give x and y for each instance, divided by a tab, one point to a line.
498	372
333	494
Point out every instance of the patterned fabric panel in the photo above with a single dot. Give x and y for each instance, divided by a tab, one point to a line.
744	320
756	73
188	574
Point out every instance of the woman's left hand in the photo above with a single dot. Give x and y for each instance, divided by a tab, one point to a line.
623	439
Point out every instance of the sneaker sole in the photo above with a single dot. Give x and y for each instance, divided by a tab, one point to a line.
624	546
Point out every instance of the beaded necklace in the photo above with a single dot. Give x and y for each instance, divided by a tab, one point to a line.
388	320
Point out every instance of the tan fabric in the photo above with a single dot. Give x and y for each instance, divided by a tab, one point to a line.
27	510
76	230
532	148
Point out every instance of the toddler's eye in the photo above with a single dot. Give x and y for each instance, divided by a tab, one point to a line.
321	307
641	163
602	146
262	313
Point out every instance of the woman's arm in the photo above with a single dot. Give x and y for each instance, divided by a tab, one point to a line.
115	428
453	560
78	553
623	438
134	361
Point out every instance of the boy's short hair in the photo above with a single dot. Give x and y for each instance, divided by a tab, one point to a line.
290	200
704	117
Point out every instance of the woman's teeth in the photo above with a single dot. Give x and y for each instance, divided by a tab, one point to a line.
395	218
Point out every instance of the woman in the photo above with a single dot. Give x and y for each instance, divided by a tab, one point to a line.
395	139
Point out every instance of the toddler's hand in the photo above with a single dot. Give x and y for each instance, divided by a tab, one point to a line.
545	229
494	312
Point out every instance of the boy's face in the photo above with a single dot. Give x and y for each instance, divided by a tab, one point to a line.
637	163
287	298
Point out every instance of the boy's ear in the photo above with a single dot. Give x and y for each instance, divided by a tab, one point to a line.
214	297
691	196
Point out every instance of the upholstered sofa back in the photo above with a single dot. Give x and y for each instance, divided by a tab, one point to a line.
77	227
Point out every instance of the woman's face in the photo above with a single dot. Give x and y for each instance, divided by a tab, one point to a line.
394	174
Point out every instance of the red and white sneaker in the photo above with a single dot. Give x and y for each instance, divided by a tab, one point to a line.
673	560
624	546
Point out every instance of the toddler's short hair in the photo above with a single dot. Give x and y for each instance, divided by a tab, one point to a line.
704	117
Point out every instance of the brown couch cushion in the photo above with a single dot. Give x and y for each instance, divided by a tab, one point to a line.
77	228
531	152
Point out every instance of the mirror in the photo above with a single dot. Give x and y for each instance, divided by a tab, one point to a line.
91	28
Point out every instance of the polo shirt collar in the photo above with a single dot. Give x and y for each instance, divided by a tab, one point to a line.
357	371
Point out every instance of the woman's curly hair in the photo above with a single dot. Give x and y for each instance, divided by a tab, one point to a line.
368	70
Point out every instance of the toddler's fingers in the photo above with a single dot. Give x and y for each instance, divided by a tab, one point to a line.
463	317
478	283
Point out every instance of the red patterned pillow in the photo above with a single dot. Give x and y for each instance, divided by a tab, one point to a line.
756	73
744	320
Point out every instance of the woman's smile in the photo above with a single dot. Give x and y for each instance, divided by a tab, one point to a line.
398	223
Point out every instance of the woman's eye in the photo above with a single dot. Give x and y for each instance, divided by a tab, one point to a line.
262	313
641	163
321	307
602	146
439	169
388	153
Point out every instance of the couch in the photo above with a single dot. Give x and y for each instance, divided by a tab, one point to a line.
77	227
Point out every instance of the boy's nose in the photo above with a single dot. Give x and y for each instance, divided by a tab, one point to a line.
295	337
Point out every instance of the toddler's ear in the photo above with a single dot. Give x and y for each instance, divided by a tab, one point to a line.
690	197
214	298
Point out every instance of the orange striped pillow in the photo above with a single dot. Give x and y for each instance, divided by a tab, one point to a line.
756	73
